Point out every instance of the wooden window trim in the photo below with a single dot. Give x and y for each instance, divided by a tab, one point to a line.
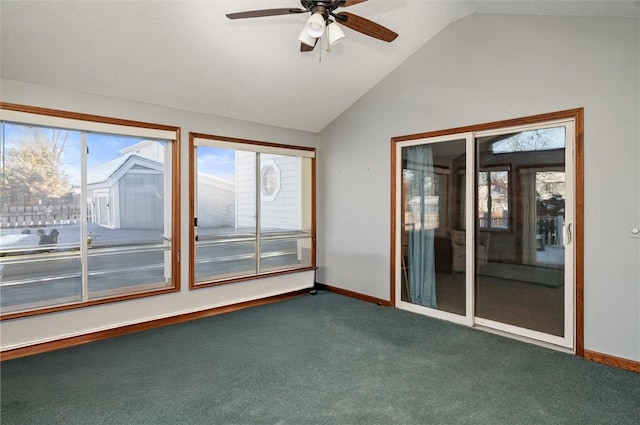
175	219
192	217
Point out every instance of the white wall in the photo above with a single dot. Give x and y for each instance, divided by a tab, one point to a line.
21	332
489	68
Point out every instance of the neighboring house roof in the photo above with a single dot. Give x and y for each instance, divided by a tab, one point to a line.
105	171
136	147
215	181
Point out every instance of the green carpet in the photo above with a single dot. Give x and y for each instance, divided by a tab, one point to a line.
324	359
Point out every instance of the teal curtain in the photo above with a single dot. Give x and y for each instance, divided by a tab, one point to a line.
421	256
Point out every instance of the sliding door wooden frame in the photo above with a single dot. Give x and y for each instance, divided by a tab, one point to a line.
577	115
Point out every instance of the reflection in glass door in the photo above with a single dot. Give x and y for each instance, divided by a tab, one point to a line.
432	189
521	209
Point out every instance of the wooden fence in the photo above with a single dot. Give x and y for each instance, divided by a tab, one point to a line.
39	216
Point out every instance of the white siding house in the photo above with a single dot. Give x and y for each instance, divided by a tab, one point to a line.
127	193
280	180
216	202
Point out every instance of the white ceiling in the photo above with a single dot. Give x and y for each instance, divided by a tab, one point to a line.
188	55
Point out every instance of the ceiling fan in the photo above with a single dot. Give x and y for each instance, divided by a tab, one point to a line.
324	19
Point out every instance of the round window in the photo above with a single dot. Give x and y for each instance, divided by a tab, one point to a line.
270	180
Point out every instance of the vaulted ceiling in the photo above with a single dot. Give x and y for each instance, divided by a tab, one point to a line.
188	55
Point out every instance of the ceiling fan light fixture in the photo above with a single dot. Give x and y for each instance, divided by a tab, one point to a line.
315	25
305	38
334	33
324	19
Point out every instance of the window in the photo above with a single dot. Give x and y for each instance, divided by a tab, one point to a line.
425	203
270	180
87	211
253	209
540	139
493	199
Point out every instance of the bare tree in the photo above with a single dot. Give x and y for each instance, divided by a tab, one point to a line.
532	140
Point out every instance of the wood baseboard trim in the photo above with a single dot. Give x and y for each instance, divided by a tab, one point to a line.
143	326
353	294
608	360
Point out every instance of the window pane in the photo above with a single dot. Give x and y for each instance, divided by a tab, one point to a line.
285	213
528	141
226	214
128	214
493	199
253	210
483	198
40	218
499	199
550	190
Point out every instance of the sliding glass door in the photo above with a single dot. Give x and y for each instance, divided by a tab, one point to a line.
483	228
524	204
432	188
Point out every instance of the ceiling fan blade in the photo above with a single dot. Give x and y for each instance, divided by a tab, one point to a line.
347	3
264	12
365	26
305	48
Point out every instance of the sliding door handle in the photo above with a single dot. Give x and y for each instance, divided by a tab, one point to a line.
569	234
